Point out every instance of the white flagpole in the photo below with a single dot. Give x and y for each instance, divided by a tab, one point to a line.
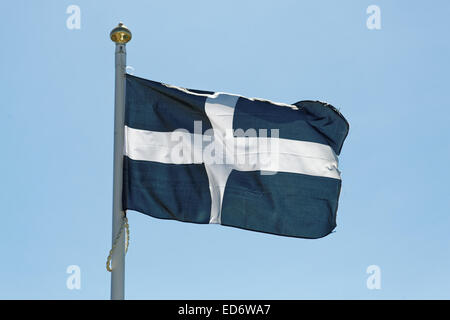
120	35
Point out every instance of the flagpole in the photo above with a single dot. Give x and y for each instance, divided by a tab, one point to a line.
120	35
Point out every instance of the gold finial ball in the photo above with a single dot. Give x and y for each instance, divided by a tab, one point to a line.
120	34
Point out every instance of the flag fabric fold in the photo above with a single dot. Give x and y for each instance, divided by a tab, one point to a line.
211	157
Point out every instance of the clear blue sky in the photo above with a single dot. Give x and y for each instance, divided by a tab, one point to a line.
56	140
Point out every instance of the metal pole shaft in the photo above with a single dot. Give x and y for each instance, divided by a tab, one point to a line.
118	256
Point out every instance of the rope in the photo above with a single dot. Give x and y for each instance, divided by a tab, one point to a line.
126	227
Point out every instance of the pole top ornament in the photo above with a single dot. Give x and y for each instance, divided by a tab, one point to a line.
120	34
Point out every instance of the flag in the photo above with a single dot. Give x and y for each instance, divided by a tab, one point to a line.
211	157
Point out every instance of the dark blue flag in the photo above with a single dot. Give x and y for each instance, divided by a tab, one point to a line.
211	157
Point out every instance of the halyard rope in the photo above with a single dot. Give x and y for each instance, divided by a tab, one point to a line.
126	227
